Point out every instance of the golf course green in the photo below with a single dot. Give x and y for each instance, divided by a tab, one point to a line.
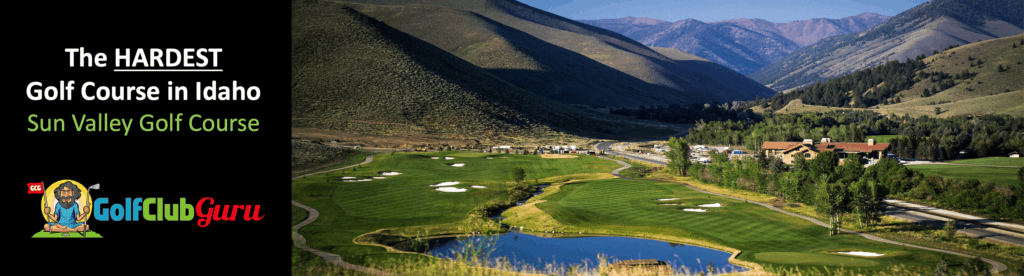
1002	176
769	238
407	204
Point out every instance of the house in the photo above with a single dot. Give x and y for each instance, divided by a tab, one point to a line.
788	151
1014	155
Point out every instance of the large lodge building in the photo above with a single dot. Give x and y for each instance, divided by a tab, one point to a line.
788	151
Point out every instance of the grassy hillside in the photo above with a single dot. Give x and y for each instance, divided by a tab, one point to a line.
677	54
931	26
989	91
555	57
353	73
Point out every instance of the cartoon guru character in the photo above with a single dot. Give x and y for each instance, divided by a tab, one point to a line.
66	214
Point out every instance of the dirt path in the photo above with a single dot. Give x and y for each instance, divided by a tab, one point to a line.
996	266
300	241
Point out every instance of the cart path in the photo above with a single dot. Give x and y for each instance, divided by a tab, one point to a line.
300	241
996	266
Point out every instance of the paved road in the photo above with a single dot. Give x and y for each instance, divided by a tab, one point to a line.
996	266
937	221
606	147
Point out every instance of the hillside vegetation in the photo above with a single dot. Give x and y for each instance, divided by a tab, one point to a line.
559	58
978	78
353	73
931	26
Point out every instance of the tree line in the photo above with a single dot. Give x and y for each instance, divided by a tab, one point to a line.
863	88
920	138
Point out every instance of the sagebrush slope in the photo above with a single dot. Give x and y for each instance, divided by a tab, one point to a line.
353	73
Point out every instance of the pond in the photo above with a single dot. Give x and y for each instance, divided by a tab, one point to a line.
522	248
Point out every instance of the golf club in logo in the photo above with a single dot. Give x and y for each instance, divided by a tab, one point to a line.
66	206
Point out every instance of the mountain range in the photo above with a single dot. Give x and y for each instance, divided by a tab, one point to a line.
923	30
744	45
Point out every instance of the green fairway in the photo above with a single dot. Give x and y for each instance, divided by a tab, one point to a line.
813	259
350	209
298	215
992	161
767	237
999	176
45	234
882	138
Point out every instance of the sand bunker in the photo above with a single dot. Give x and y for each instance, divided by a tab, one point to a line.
478	187
448	183
435	157
449	158
451	189
666	199
490	157
695	210
558	156
390	173
457	165
710	205
358	180
861	253
348	177
379	177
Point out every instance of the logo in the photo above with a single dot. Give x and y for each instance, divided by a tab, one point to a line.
66	206
35	188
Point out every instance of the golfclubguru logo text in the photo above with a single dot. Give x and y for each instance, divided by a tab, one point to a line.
155	209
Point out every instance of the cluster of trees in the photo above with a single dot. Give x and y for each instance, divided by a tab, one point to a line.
678	114
848	126
941	139
968	195
849	188
921	138
882	81
821	182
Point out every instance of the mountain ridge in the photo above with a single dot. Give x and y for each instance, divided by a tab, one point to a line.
924	29
744	45
558	58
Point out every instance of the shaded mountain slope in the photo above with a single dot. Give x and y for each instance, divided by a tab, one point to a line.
353	73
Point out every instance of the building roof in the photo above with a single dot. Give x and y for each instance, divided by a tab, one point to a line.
854	147
779	145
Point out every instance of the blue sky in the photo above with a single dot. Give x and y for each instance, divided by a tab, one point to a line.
778	11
